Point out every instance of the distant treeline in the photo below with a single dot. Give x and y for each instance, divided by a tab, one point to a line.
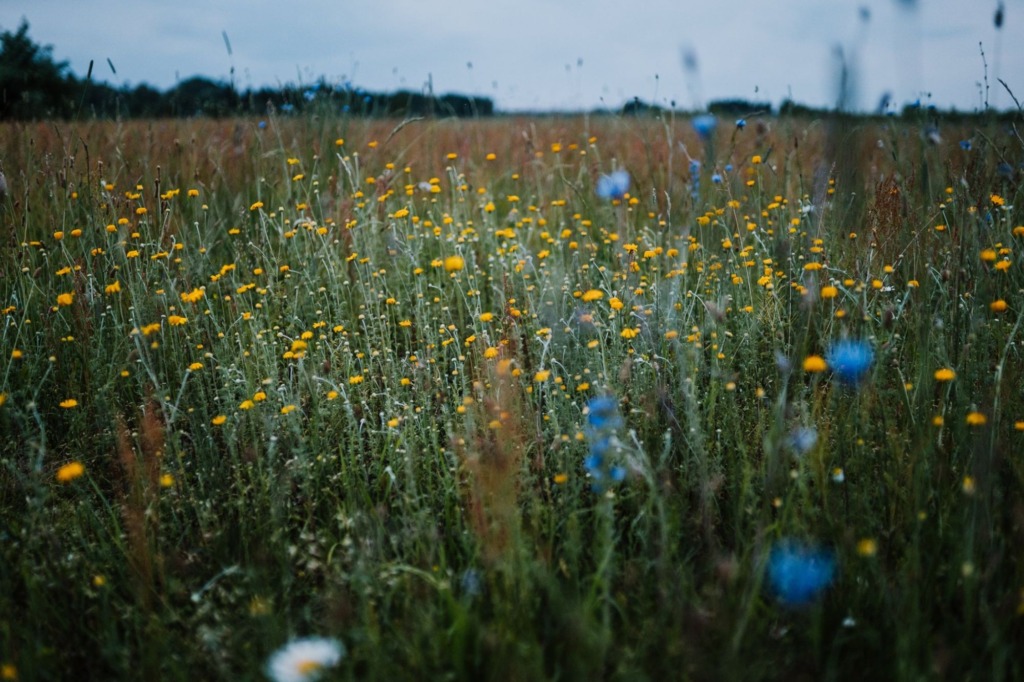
34	86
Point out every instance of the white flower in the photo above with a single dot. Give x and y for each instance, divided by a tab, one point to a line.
302	660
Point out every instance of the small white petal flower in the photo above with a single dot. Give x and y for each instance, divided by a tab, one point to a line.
302	660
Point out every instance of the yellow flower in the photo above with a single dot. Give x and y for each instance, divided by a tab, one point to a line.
287	409
630	333
113	288
192	296
542	375
490	353
65	299
218	420
196	366
70	472
997	200
454	263
592	295
357	379
486	317
976	419
945	374
560	479
259	396
615	303
829	292
867	547
998	306
166	481
69	403
815	363
176	320
256	206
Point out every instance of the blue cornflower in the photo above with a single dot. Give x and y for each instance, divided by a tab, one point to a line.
716	178
850	359
598	465
603	419
614	185
470	582
741	123
965	145
261	125
802	440
309	95
798	572
705	125
728	168
603	413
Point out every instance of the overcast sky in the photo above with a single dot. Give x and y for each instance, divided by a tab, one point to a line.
551	54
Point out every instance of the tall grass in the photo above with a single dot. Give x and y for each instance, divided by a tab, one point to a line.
331	376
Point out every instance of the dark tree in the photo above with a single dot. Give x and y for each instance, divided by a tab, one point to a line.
32	84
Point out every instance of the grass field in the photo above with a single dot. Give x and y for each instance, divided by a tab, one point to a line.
442	392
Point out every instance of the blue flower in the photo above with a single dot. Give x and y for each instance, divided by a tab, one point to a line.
262	124
705	125
614	185
802	440
965	145
716	178
603	413
798	573
728	168
471	583
741	123
850	359
599	466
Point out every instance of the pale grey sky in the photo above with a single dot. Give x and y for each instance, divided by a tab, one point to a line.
551	54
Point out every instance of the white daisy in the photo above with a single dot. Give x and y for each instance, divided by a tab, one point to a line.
302	660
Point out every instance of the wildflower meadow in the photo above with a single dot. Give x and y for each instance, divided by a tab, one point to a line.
550	398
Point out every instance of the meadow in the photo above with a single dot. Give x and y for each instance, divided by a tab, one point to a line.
516	399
